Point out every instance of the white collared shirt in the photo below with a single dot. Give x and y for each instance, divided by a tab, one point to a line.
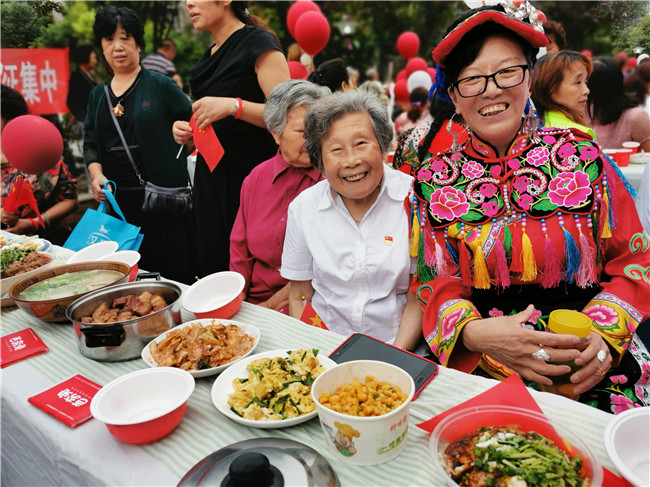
360	275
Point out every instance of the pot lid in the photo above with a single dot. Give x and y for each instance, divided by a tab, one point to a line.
289	463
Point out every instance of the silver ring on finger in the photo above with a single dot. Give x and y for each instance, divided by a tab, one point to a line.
541	355
601	355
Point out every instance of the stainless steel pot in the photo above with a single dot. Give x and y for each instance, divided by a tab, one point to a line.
124	340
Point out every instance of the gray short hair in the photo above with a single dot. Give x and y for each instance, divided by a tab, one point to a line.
286	96
327	110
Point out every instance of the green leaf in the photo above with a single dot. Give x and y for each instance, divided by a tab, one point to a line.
473	216
543	205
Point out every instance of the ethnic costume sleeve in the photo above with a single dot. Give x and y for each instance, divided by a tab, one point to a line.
624	301
494	234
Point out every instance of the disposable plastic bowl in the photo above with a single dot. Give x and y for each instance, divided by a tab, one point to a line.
468	420
218	295
144	406
627	443
359	440
623	157
93	252
128	257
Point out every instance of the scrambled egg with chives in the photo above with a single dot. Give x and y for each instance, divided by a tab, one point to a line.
277	388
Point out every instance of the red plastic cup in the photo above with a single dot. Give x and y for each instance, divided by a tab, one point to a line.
632	145
623	156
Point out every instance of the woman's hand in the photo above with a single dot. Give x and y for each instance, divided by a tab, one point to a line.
9	218
22	227
209	109
592	370
182	132
503	339
96	186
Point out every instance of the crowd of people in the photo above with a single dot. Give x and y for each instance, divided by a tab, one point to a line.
504	206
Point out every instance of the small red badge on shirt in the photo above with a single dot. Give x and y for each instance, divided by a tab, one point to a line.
20	345
388	240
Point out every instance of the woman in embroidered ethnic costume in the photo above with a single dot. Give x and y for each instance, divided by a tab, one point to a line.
519	221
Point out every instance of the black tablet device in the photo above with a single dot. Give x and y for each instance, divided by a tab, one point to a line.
363	347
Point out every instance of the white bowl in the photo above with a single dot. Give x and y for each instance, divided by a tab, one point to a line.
128	257
218	295
360	440
93	252
627	442
248	329
143	406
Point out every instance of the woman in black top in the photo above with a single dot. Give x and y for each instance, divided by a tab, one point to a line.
230	83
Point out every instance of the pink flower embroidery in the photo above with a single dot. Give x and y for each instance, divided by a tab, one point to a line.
536	314
490	208
618	379
472	170
424	175
588	153
455	156
514	164
645	375
448	203
524	201
495	171
567	150
549	139
439	165
569	189
449	323
488	190
495	312
621	403
602	314
537	156
521	183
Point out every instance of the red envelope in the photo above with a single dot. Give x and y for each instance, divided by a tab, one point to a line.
21	345
208	144
512	392
69	401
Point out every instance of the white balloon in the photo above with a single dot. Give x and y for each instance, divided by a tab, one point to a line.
306	59
419	79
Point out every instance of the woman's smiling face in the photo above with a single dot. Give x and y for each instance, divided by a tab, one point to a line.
353	163
496	114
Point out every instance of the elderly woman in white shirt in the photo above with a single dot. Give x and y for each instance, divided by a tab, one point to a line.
346	245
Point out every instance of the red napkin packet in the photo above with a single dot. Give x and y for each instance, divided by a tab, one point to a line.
69	401
513	392
208	144
19	346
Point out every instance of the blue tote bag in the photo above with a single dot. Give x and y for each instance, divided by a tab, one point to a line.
97	225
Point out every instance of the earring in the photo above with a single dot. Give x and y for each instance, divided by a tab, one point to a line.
531	122
454	146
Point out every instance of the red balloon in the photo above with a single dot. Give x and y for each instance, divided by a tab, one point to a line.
312	32
297	70
401	91
408	44
541	16
432	73
415	64
296	10
401	75
32	144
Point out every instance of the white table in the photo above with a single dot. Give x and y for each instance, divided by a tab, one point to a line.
633	173
37	450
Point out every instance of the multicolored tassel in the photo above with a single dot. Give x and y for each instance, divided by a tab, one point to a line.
552	265
528	258
453	253
465	272
439	263
605	216
415	235
501	271
507	241
587	273
425	272
481	274
516	264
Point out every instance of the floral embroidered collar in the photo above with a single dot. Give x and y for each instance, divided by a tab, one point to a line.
558	173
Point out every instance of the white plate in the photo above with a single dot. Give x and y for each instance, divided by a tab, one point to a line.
222	388
248	329
640	158
7	282
12	239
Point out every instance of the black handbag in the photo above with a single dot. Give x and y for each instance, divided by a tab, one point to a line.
157	199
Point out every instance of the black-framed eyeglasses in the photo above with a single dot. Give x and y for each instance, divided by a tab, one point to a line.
504	78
